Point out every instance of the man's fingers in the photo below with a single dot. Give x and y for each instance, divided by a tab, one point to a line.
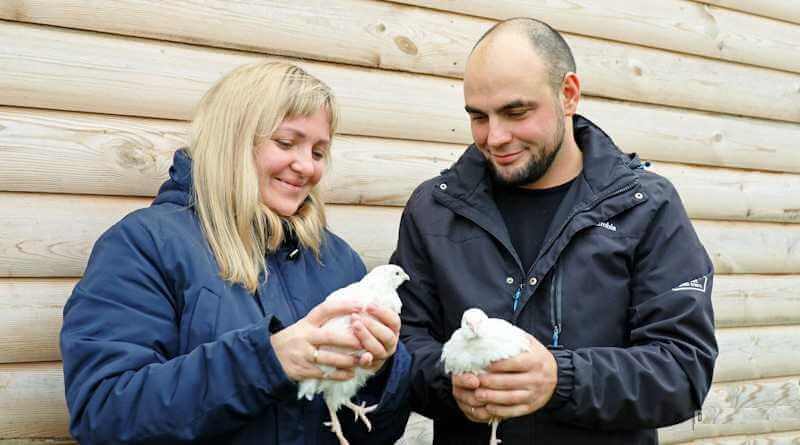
387	317
506	398
505	412
519	363
465	397
504	381
465	380
330	309
475	413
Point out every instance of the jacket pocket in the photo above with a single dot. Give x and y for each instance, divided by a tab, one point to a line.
203	317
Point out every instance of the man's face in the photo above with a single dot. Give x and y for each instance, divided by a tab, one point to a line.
517	119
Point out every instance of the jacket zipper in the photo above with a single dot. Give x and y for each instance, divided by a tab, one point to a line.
517	294
555	306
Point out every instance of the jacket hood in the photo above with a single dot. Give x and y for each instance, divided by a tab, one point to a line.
178	188
603	163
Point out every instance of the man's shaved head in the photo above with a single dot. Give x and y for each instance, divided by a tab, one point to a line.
548	44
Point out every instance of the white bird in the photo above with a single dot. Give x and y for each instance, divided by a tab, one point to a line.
378	287
479	342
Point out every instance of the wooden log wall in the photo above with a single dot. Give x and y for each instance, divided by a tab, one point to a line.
94	99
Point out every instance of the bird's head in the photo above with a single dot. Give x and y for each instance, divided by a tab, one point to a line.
473	321
386	279
387	275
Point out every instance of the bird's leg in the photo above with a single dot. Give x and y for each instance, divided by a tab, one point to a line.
336	427
493	440
361	412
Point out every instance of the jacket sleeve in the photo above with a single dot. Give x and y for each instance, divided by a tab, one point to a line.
422	329
664	375
122	382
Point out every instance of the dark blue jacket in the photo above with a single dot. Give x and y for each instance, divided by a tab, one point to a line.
157	348
621	290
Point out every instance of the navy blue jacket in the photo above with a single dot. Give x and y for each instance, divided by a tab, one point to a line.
157	348
621	291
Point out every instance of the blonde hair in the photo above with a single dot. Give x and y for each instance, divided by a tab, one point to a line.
235	115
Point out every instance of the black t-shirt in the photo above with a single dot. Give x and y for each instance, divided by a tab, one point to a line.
528	214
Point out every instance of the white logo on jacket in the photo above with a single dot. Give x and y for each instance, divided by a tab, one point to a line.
607	225
698	284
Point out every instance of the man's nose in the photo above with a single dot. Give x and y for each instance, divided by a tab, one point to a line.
499	134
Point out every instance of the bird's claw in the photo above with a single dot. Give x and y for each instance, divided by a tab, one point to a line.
361	412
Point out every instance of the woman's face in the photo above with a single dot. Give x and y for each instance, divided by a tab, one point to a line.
292	161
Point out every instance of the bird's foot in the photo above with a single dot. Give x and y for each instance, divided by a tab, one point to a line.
336	427
493	440
361	412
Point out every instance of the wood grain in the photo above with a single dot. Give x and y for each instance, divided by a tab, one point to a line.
675	25
60	69
787	10
79	153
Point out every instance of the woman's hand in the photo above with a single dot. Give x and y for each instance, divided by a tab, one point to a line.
298	347
378	330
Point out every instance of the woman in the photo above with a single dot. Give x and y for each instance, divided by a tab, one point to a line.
197	316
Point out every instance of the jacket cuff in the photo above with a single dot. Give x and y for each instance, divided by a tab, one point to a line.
566	379
277	384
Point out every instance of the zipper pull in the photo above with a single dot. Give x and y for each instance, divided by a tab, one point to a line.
516	298
556	332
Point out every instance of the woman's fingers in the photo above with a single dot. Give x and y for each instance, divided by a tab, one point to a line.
375	337
336	359
387	317
331	309
332	337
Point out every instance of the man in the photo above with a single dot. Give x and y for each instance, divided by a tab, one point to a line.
545	223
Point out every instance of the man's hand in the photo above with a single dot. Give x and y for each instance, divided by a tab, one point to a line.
516	386
464	386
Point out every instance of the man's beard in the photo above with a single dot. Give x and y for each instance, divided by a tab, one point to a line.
535	168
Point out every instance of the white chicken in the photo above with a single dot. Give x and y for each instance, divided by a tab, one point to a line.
479	342
378	287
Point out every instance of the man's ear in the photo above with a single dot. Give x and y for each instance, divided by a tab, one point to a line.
570	93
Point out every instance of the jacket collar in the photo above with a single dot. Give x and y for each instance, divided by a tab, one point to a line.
178	188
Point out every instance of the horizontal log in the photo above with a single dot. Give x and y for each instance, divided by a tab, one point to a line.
787	10
392	36
791	437
735	408
757	353
39	441
140	77
742	408
35	245
751	247
756	300
655	132
674	25
78	153
736	195
32	401
30	320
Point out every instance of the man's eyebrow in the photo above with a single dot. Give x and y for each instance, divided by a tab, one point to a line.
517	103
471	110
